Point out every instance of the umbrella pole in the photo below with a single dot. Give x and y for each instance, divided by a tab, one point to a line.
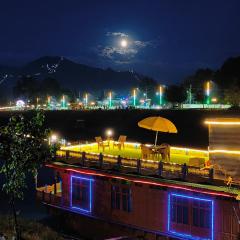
156	138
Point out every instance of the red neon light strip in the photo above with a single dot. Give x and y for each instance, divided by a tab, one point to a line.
91	172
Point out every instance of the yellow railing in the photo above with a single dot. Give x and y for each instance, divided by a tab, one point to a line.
50	188
192	152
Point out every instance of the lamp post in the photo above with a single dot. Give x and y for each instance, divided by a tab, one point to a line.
49	101
86	99
190	94
109	134
134	97
63	101
208	90
160	95
37	102
110	99
53	139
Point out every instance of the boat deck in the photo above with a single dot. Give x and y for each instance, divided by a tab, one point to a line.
179	155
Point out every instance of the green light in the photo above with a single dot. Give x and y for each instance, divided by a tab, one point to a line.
160	95
208	90
63	102
208	100
189	94
110	99
49	101
86	99
134	97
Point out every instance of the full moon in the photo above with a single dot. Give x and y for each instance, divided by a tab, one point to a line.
124	43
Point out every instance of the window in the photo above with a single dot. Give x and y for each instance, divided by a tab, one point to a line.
188	215
126	199
115	195
81	193
121	198
179	213
201	214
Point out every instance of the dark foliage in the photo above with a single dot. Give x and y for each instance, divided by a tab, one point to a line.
176	94
23	148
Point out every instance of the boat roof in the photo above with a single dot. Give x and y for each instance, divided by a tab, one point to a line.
209	189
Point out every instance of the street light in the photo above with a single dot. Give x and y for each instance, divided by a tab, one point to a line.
49	101
63	102
37	100
134	97
160	95
86	99
214	99
110	99
109	134
208	90
53	139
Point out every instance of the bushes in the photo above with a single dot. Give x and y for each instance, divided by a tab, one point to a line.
30	230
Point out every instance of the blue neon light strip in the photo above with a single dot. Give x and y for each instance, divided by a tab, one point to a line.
89	180
184	235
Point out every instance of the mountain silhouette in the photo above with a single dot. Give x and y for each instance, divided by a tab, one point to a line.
71	75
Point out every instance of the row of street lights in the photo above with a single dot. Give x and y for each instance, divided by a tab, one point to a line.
159	94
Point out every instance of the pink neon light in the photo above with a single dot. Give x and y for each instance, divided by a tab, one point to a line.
90	172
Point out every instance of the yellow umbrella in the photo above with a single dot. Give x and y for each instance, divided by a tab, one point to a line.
158	124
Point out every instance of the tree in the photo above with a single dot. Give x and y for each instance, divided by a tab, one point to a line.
148	86
229	73
23	149
232	96
50	86
176	94
2	95
197	82
26	87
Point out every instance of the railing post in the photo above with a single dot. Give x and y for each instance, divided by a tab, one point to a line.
83	158
50	197
67	154
100	160
184	171
160	168
211	175
119	162
139	166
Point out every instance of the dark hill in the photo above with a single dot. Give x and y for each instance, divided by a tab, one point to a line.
73	75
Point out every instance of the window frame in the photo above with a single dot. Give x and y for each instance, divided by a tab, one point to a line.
122	198
191	200
88	184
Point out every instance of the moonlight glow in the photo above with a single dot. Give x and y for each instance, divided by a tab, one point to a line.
124	43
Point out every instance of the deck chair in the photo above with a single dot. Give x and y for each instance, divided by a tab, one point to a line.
121	142
165	151
147	152
101	143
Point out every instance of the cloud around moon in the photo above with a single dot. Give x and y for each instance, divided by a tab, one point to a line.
119	54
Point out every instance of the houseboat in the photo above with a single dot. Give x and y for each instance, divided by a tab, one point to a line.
103	195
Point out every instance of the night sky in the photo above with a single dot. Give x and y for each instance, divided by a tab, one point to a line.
167	40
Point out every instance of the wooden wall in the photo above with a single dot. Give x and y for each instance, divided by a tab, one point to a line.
227	138
150	207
